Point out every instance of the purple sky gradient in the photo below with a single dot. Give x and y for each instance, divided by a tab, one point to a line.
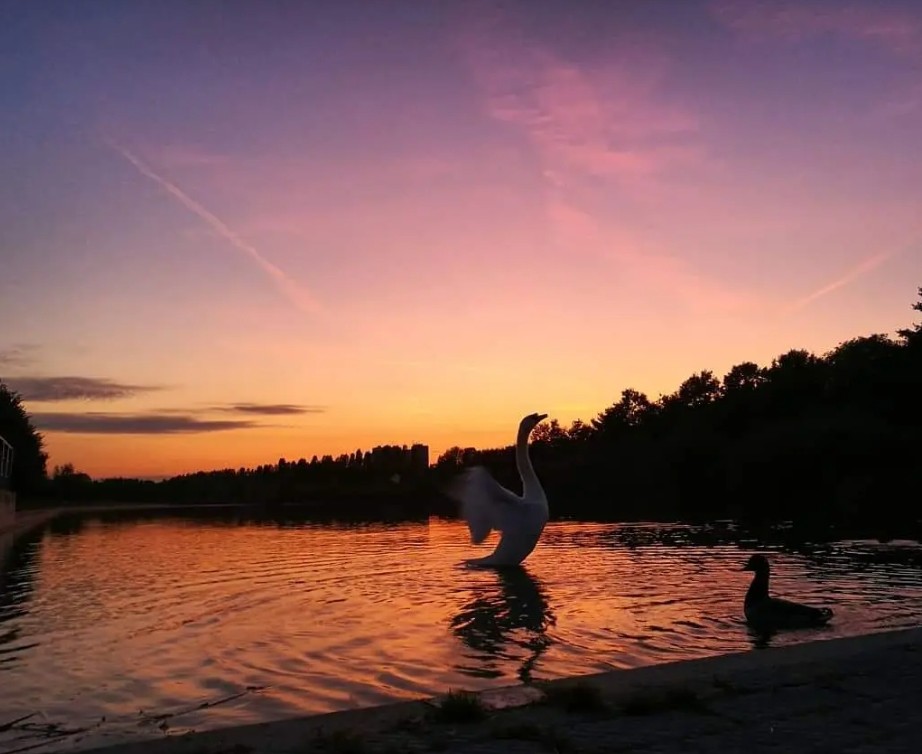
432	218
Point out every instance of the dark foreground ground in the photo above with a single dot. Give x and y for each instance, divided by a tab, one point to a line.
859	694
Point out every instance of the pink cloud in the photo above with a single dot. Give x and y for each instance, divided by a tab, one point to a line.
603	119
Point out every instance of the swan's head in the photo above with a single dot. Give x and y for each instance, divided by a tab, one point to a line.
757	563
531	421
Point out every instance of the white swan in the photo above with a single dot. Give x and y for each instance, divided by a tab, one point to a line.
486	505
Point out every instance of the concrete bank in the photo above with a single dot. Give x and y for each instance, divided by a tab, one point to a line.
22	523
15	523
858	694
27	520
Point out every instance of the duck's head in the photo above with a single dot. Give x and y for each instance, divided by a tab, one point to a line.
531	421
757	563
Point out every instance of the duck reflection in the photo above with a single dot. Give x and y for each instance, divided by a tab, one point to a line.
506	621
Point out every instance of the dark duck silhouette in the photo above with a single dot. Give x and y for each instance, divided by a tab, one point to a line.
771	613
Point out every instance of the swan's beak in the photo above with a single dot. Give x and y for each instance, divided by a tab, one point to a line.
541	417
746	567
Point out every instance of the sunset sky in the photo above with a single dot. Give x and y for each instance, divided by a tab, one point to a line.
234	231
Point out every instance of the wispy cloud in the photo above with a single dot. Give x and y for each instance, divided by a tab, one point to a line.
17	355
603	119
42	389
99	423
892	28
271	409
592	123
904	102
296	293
183	156
859	270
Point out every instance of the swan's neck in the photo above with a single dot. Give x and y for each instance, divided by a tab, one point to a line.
531	487
758	589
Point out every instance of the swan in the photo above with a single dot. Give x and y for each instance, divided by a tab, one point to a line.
772	612
487	505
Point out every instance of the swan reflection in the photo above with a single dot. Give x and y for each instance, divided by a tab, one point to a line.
507	620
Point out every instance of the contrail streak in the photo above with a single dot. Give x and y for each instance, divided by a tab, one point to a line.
294	292
861	269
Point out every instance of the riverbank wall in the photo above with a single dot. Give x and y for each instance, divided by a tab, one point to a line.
7	509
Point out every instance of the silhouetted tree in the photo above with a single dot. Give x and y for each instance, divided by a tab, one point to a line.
30	460
69	484
549	432
453	458
698	390
579	431
633	408
746	376
912	336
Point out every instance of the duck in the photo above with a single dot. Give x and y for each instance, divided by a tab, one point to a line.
767	612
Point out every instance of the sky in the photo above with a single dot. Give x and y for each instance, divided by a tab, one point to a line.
238	231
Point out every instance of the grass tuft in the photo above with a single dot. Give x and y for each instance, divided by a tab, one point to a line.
460	707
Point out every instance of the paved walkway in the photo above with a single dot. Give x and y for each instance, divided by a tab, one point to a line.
847	696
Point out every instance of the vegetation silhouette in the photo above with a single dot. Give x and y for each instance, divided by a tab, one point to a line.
810	439
817	440
30	460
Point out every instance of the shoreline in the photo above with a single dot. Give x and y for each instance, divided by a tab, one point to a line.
25	521
604	706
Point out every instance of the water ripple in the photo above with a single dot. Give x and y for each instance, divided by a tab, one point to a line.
167	625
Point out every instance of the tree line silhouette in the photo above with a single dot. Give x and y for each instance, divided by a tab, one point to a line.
389	472
812	439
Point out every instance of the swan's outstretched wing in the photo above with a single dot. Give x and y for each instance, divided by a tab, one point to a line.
485	503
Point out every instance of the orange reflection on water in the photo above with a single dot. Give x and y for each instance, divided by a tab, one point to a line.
161	614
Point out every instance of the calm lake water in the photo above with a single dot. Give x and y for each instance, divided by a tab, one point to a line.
134	620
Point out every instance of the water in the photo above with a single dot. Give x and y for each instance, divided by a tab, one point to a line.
141	621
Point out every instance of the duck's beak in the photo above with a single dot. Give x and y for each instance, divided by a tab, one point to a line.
746	567
542	417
